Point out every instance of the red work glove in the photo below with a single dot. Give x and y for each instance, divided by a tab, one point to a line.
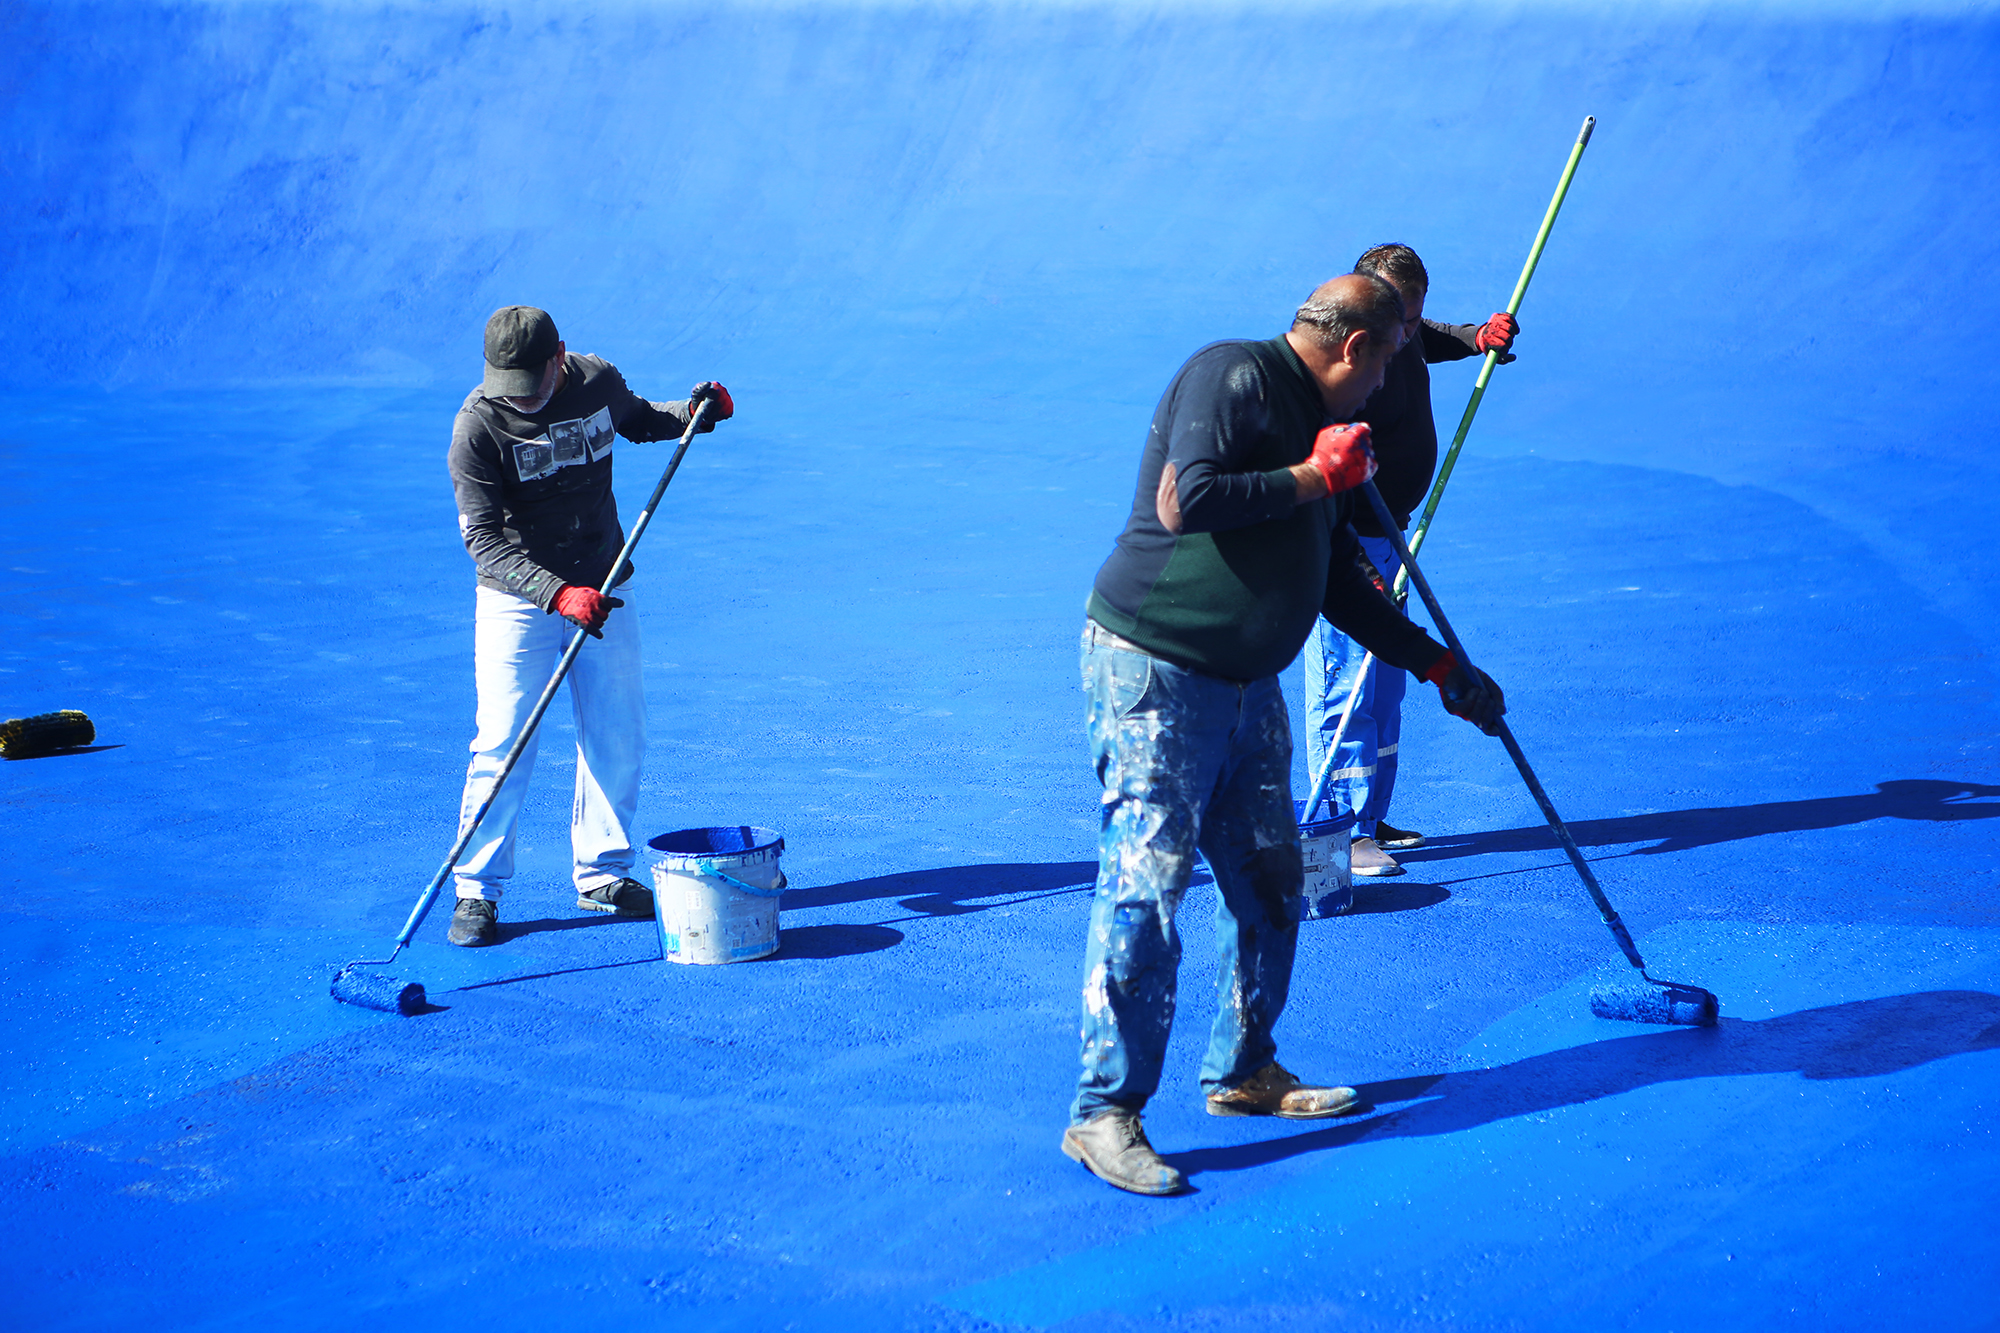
1497	335
1477	701
1343	457
587	608
725	406
1367	567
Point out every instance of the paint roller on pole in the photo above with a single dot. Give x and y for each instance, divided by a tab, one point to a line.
1656	1002
1416	541
376	990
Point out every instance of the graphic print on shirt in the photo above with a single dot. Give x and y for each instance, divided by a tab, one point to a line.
584	440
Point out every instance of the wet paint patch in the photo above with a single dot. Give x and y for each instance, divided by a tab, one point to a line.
1809	1163
111	1018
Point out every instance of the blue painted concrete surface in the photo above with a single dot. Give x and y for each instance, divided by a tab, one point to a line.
1723	532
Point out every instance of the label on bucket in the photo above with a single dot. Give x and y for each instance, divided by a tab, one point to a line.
1329	878
716	894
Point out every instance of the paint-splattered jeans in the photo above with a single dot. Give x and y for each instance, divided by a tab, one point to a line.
1190	763
1364	775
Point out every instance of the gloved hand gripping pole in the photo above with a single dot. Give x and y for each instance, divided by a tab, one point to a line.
379	992
1674	1002
1400	592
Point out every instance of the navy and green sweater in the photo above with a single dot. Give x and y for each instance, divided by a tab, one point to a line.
1236	593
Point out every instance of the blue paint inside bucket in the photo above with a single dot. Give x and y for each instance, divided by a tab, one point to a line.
725	840
1321	828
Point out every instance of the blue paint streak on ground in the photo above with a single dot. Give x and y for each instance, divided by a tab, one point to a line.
1621	1178
1724	532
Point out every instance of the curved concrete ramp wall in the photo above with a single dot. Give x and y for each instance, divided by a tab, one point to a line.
1013	193
1776	267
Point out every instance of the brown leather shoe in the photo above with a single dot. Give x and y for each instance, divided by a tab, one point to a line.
1273	1090
1113	1145
1366	857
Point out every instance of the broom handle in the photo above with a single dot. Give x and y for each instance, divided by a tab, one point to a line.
1400	590
514	751
1506	733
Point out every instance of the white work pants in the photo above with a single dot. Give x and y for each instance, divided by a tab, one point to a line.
515	649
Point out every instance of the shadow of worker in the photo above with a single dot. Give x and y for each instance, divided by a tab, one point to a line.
955	890
1860	1039
1934	800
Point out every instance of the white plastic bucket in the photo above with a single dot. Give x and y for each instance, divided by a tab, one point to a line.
716	892
1325	848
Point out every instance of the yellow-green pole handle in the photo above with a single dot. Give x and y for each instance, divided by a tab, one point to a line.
1400	590
1493	358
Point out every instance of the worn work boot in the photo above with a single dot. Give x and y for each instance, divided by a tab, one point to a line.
1388	835
475	921
627	897
1366	857
1113	1145
1273	1090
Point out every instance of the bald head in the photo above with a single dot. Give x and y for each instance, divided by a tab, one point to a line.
1352	303
1344	335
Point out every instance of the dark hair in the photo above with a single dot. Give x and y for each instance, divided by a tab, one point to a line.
1396	262
1375	309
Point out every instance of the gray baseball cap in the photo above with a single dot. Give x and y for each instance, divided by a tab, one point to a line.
519	342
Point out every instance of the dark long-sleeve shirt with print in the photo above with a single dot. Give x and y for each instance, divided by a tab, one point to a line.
1401	425
534	492
1236	591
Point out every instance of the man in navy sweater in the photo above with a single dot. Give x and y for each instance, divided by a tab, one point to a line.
1238	540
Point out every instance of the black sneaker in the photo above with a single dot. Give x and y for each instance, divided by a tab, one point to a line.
1388	835
627	897
474	922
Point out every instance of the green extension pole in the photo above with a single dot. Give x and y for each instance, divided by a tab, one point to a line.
1493	358
1401	590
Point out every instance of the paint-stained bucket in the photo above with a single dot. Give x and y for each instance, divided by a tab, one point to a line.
1324	846
715	893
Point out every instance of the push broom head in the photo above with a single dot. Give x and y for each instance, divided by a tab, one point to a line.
378	990
1649	1001
45	733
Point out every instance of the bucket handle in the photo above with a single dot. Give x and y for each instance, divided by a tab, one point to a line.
708	868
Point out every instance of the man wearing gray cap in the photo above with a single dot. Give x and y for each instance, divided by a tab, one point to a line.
531	465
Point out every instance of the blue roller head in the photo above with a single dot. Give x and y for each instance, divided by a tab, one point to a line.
377	990
1648	1002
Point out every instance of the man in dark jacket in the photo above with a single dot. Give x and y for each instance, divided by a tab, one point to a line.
531	466
1404	435
1237	542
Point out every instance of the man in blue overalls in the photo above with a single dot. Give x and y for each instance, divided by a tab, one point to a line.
1404	436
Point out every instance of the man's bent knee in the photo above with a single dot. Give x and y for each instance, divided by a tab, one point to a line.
1277	877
